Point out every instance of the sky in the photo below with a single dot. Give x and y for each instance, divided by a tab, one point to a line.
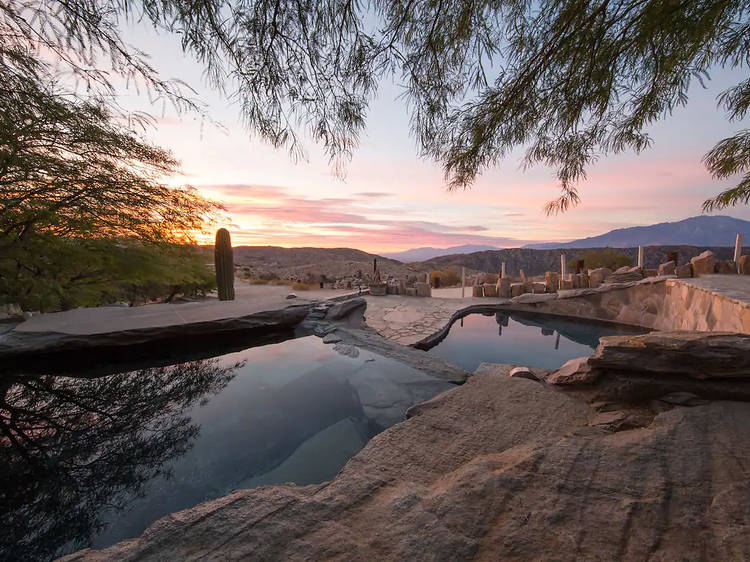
392	200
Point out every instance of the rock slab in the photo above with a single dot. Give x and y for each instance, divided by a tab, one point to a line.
345	308
498	469
704	263
698	355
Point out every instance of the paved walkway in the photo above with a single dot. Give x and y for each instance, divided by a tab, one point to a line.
249	299
735	287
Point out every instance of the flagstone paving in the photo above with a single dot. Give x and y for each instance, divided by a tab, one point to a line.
408	320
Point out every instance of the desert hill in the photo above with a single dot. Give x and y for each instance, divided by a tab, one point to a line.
311	264
536	262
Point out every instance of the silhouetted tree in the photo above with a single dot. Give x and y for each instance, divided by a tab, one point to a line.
567	80
69	446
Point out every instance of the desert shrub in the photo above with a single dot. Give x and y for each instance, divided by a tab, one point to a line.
51	273
449	277
257	281
607	257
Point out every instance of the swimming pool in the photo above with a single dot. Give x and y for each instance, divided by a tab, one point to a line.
89	461
532	340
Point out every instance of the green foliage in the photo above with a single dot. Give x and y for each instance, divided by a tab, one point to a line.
86	213
607	257
566	80
50	273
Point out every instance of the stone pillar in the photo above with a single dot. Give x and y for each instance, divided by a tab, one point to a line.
563	271
737	251
463	282
640	257
502	269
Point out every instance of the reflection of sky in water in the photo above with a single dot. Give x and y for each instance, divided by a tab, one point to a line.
295	412
521	339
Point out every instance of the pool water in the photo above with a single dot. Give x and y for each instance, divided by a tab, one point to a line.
532	340
92	461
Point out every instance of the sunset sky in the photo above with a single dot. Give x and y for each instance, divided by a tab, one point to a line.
393	200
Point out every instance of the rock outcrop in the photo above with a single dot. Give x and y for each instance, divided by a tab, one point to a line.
667	268
498	469
704	263
690	354
684	271
631	369
344	308
624	275
726	267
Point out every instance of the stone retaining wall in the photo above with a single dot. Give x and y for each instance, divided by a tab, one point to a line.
659	304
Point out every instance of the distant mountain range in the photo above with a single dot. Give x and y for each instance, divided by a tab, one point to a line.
536	262
427	253
695	231
688	237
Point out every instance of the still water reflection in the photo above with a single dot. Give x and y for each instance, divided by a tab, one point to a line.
532	340
91	461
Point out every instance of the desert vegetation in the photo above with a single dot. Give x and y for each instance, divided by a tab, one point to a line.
605	257
86	213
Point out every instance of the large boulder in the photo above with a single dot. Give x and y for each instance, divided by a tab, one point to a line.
744	265
726	267
345	308
704	263
685	270
598	275
667	268
626	276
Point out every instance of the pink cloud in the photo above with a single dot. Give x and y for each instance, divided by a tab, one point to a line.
286	219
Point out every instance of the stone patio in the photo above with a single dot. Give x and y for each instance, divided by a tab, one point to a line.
408	320
250	299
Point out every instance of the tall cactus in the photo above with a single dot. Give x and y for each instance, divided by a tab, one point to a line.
224	262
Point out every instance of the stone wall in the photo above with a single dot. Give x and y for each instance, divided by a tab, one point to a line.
660	304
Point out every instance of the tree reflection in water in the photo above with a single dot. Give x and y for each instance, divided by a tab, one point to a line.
69	446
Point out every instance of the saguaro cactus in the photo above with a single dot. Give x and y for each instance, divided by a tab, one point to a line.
224	262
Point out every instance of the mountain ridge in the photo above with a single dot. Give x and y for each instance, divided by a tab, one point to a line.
429	252
702	230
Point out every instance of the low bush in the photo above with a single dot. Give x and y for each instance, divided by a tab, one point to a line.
607	257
